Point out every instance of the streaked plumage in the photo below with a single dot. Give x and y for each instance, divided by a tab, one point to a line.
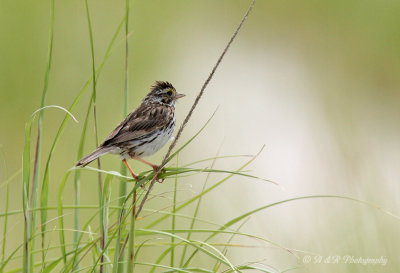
144	131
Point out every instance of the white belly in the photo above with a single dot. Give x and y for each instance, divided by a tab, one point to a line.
147	145
153	146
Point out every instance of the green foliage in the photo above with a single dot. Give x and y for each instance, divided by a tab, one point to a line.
111	228
86	246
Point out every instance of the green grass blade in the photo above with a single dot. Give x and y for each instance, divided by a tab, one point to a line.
3	247
175	171
239	218
112	173
4	263
112	237
118	267
132	235
74	262
185	204
77	178
11	178
172	269
66	119
94	98
142	232
45	187
50	267
248	267
104	214
122	221
196	211
218	256
191	139
218	264
173	215
28	213
214	158
169	172
92	52
61	217
160	258
26	169
36	168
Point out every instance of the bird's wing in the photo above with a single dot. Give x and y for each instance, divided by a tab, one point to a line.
144	120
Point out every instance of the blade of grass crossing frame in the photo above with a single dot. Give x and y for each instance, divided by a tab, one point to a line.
44	201
104	214
11	178
29	231
204	192
225	250
194	105
74	260
36	168
77	179
132	236
174	171
94	97
160	258
213	158
115	232
3	247
26	164
118	266
196	211
175	269
129	212
61	217
244	267
218	256
237	219
45	251
173	215
26	169
192	138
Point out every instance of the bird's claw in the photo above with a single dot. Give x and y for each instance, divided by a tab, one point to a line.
143	186
162	171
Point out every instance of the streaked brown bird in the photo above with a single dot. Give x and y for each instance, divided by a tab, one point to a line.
144	131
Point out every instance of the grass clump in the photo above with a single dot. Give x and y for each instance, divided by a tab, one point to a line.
106	243
113	234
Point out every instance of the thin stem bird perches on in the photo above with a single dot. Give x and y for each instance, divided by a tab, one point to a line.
164	162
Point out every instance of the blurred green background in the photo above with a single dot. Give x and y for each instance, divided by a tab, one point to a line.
317	82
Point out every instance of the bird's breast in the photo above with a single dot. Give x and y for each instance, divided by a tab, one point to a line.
153	142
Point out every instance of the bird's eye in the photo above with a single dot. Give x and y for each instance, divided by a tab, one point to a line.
169	93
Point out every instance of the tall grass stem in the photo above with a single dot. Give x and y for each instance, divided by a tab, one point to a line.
119	256
103	220
37	157
200	94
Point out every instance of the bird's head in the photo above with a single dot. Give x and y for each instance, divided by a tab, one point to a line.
163	92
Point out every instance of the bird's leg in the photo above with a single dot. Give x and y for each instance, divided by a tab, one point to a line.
154	166
130	170
135	176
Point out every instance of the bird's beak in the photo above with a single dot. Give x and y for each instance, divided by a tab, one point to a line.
179	95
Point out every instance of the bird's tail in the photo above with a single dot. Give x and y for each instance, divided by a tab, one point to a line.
96	154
